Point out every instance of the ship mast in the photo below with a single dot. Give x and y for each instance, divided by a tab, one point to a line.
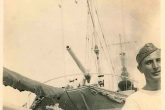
96	50
125	83
124	73
100	76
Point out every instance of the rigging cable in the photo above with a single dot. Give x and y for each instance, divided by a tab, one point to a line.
87	62
63	36
95	33
106	46
90	12
98	39
102	31
93	25
104	39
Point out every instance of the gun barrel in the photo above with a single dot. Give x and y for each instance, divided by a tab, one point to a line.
81	67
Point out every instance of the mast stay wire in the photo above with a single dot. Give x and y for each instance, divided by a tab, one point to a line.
104	39
90	13
62	34
63	38
95	33
89	43
100	25
92	19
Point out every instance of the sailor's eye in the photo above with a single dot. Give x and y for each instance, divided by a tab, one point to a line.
148	62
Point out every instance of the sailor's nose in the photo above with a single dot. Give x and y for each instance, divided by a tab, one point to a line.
155	64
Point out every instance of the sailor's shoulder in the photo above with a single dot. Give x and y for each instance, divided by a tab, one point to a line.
135	95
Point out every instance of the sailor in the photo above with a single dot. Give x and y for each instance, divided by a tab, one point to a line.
147	98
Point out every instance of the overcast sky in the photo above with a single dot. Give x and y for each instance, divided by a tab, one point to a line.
36	33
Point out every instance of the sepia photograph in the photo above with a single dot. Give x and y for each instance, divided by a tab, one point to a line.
81	55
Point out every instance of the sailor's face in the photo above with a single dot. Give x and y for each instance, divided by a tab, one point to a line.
151	67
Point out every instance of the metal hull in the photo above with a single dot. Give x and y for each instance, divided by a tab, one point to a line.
84	98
